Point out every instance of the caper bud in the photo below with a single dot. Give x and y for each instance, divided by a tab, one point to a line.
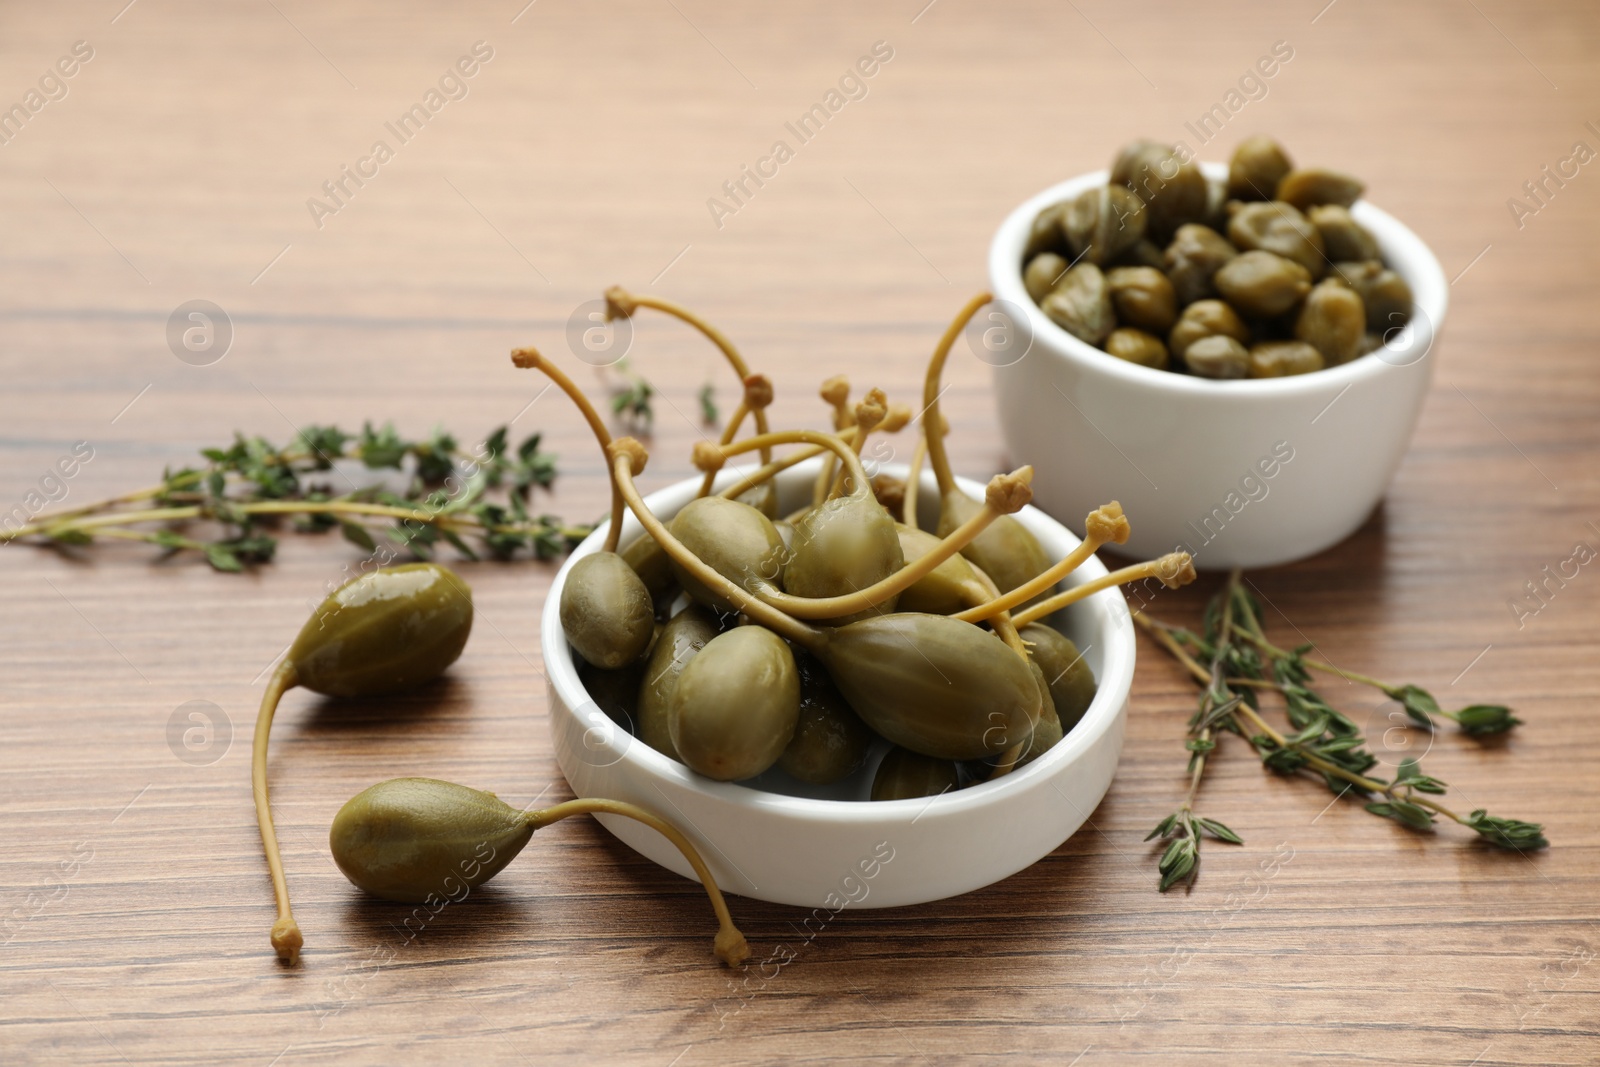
1145	253
420	840
1317	185
1262	284
1081	304
1173	190
1217	356
1045	234
1332	321
1042	273
830	740
1072	684
1143	298
1136	346
1343	238
845	545
1384	293
733	539
978	699
1103	222
685	634
1279	359
1203	318
735	706
1278	227
1257	166
1196	253
606	611
906	775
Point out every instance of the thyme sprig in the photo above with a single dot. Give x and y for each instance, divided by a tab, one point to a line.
1240	662
250	486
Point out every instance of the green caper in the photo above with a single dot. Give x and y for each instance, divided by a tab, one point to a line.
1196	253
1216	215
1143	298
392	629
1047	731
1262	284
933	684
650	562
1044	235
1384	293
943	591
1279	359
1278	227
1072	684
1042	273
606	611
734	539
1173	190
1006	551
1217	356
1317	185
764	498
735	706
1205	318
1145	253
1102	222
1332	321
845	545
1136	346
420	840
684	635
1081	304
906	775
1343	238
830	740
1257	166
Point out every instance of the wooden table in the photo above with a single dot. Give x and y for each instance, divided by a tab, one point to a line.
178	166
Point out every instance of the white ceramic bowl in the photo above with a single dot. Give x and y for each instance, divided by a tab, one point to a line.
1243	473
821	851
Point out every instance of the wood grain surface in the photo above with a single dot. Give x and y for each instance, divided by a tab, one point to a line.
178	165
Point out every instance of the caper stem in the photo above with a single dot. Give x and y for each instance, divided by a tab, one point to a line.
730	946
286	938
1104	524
832	442
624	300
771	470
729	432
530	357
908	504
1175	569
894	584
930	393
835	392
870	414
806	637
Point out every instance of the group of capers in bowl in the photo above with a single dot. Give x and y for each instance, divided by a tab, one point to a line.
1262	275
735	639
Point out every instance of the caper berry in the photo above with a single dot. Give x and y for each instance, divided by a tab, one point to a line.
1278	227
1257	166
606	611
944	590
830	740
735	706
733	539
1072	684
1042	274
1262	284
1196	254
1217	356
1006	551
615	692
1332	321
1173	190
685	634
654	569
1279	359
1102	222
1081	304
1143	298
906	775
1204	318
1317	185
1136	346
1343	238
1045	235
846	544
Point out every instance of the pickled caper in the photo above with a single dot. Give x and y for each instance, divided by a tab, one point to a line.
1384	294
1281	229
1081	304
1333	321
1143	297
1343	238
733	539
830	740
1136	346
606	611
1217	356
1206	318
1103	222
1259	163
847	544
1279	359
735	706
1173	189
683	635
1072	684
1262	284
1317	185
905	775
1042	273
653	567
944	591
1196	254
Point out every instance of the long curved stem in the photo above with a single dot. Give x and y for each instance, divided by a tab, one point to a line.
930	393
771	470
286	938
908	504
1104	524
625	302
730	946
1175	569
530	358
805	636
832	442
729	432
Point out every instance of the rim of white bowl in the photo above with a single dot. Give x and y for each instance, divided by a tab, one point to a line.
1111	623
1403	251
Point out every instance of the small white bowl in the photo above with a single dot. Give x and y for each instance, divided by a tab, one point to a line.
814	852
1189	457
